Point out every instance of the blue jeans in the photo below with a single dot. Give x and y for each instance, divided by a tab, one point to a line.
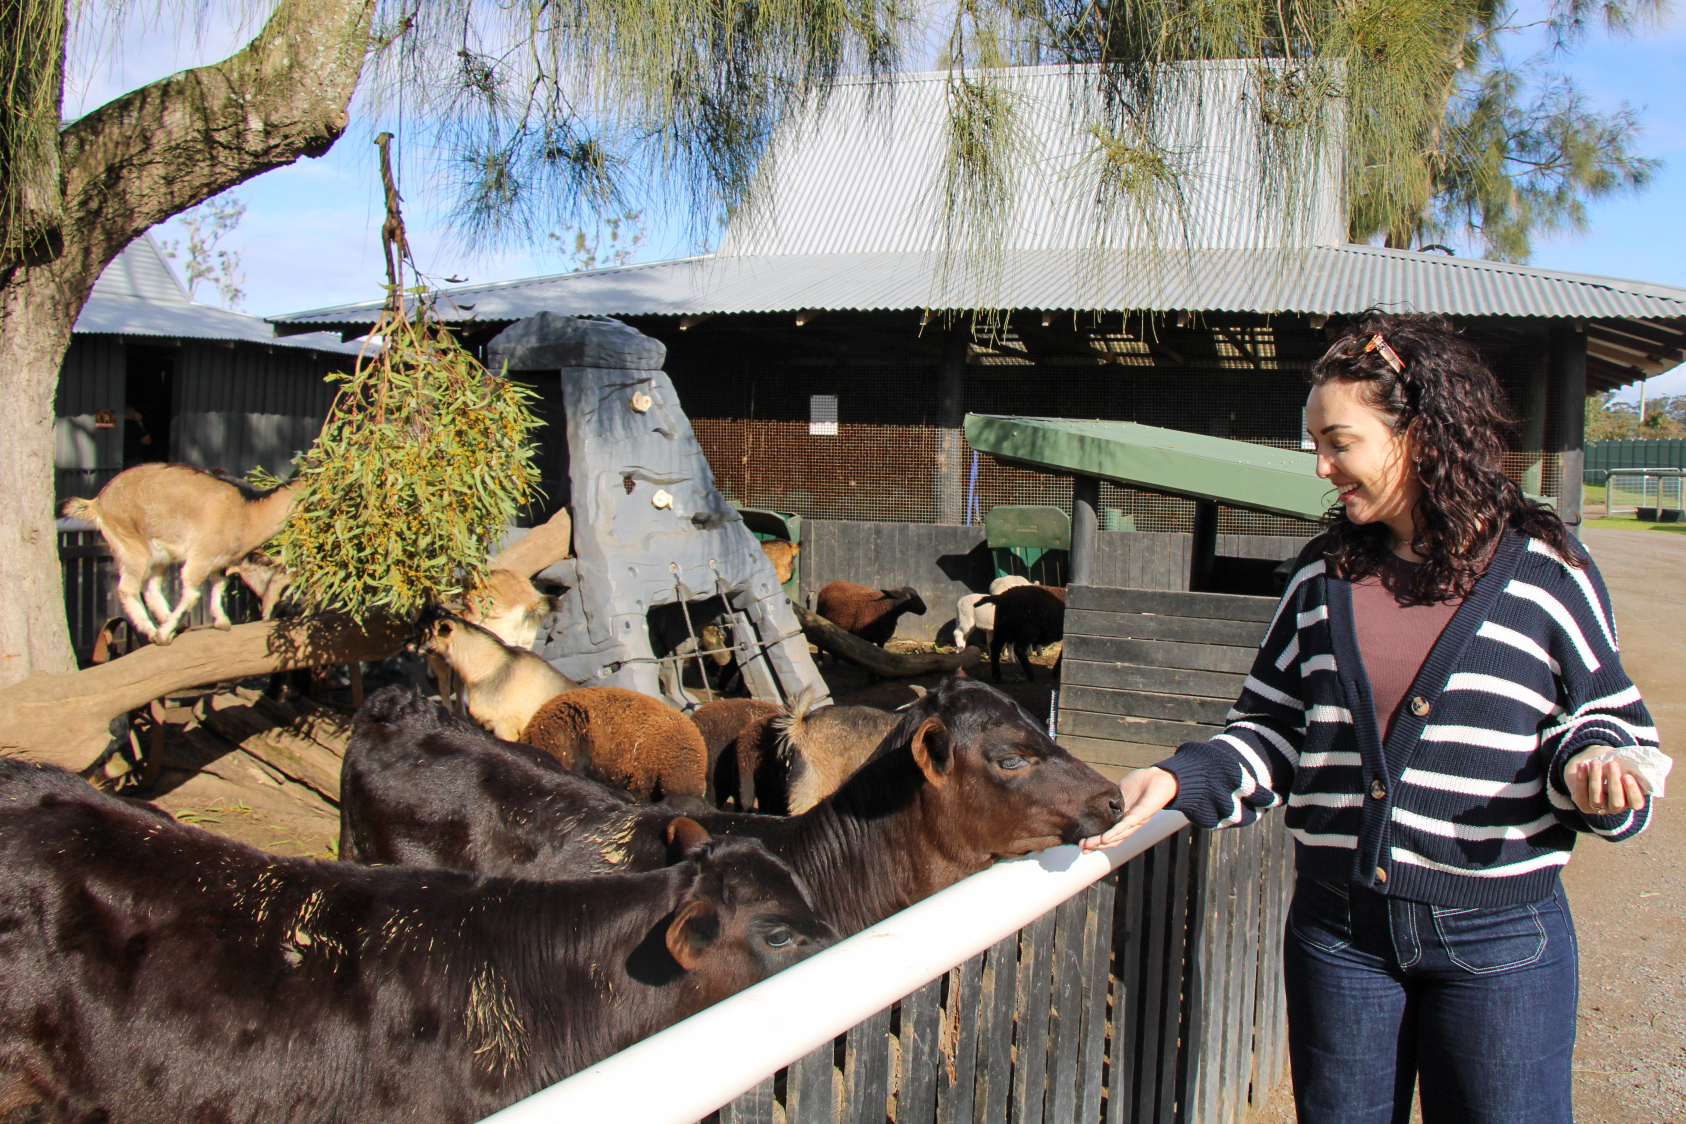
1478	1005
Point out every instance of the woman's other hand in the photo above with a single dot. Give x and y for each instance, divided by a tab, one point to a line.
1601	788
1145	792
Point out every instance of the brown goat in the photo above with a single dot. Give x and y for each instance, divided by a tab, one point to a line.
782	555
869	613
791	760
1026	616
265	577
508	606
623	738
505	686
720	723
154	516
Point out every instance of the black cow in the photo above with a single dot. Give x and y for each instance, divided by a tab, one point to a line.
966	777
154	972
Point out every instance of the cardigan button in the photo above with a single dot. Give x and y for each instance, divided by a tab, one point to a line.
1419	706
1377	790
1381	875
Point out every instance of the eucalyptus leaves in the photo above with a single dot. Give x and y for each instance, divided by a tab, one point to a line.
423	462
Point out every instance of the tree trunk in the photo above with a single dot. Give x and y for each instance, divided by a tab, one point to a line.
124	168
65	719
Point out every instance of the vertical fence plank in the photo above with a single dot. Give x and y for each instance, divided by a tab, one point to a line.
921	1054
1157	884
1245	950
866	1076
995	1031
752	1107
1122	1089
809	1093
1204	975
957	1079
1097	987
1174	854
1065	1016
1035	995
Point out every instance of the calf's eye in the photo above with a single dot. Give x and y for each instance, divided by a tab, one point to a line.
1011	762
779	938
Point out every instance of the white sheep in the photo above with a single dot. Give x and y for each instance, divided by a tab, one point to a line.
968	614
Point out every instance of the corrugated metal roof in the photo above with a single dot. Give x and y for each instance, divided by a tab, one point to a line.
138	294
864	172
1322	280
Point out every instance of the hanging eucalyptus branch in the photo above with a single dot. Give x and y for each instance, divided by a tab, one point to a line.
425	459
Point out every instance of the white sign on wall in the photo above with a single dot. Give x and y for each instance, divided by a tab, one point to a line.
822	415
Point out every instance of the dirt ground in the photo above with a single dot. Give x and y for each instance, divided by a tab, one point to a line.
1629	899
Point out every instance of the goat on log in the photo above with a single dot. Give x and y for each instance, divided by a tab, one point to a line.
156	973
156	515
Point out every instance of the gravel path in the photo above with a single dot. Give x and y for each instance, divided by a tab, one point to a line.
1629	900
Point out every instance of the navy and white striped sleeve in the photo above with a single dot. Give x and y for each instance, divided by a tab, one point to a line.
1249	768
1601	705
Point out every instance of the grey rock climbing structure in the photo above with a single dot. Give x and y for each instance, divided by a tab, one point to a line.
650	528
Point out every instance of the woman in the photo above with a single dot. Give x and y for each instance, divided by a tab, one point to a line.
1440	705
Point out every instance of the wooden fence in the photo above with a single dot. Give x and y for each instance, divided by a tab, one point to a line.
1152	997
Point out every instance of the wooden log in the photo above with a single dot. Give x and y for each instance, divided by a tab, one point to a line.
850	648
297	758
549	542
66	719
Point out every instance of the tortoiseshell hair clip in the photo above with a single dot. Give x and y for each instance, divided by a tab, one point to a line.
1377	343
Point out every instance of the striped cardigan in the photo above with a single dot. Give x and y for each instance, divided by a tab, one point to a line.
1465	802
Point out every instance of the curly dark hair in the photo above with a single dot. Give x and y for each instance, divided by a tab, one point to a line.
1447	399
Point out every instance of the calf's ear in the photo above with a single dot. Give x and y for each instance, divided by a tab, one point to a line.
683	833
695	927
933	750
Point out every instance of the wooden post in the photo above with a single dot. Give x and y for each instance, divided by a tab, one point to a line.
1531	439
951	417
354	672
1085	528
1205	546
1566	367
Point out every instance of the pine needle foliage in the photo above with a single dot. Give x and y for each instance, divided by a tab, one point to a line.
425	459
32	43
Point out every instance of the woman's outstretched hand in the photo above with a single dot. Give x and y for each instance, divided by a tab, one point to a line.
1604	788
1145	792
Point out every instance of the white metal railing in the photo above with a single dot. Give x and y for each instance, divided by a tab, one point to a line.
683	1073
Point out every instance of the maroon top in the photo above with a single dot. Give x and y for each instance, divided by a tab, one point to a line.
1394	633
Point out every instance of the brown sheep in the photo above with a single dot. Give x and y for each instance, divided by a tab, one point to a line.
783	557
1026	616
792	760
626	739
720	722
869	613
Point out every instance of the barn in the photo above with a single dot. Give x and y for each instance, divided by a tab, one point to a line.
829	350
154	375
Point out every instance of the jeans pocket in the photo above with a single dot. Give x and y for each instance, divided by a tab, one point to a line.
1482	941
1321	914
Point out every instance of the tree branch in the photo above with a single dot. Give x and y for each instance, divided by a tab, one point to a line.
65	719
155	151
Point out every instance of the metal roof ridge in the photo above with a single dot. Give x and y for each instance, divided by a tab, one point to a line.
1626	284
488	287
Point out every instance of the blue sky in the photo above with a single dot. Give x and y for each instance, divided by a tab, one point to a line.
310	236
